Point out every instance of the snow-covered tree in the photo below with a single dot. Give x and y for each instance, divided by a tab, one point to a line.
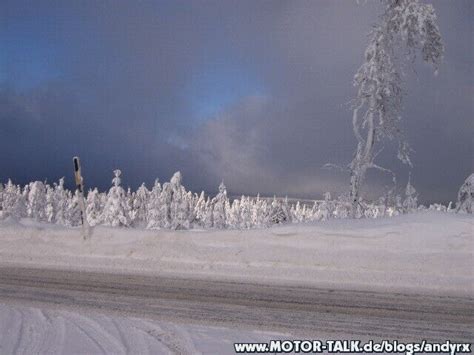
325	208
129	201
93	207
179	203
140	205
165	205
209	214
12	200
22	202
342	207
116	209
277	213
50	205
61	202
37	201
245	212
200	210
405	27
411	197
466	196
155	211
234	220
260	213
192	200
221	203
73	216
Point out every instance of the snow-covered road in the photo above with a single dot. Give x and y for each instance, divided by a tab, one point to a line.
299	311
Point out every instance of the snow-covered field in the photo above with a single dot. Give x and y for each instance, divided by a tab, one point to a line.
422	252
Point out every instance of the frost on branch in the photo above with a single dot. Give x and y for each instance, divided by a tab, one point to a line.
466	196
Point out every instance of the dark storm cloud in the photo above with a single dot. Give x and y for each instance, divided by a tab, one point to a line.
254	93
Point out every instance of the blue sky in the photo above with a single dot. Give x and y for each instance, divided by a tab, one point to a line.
250	92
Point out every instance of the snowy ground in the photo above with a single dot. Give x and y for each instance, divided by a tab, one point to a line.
29	330
428	251
424	253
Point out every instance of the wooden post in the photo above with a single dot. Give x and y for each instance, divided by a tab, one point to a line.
80	190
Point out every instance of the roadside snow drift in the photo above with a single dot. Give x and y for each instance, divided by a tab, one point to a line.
420	252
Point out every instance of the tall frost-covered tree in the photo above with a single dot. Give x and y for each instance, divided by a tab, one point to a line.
50	205
139	208
179	202
12	202
260	212
405	27
154	216
221	203
209	213
61	202
245	212
200	209
116	209
129	201
234	220
93	207
37	201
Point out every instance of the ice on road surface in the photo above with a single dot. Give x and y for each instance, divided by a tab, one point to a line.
420	252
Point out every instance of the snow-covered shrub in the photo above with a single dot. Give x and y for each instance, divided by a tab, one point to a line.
437	207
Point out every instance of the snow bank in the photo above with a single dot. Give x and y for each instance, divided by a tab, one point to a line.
420	252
